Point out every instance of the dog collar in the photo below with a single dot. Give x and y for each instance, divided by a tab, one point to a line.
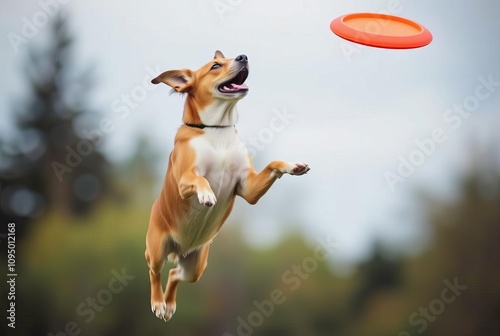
201	126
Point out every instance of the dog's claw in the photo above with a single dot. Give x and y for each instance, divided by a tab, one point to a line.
169	311
159	309
163	310
207	198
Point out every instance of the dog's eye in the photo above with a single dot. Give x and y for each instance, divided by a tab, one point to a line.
215	66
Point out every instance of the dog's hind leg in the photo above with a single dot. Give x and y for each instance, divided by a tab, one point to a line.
155	257
190	268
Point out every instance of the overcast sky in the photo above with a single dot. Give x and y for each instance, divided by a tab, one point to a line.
356	109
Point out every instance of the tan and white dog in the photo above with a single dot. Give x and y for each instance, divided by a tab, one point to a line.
208	167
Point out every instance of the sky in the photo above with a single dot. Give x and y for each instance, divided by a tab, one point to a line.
353	113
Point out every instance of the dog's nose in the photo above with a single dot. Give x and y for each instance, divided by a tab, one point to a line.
241	58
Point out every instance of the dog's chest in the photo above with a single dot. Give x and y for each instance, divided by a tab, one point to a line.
221	158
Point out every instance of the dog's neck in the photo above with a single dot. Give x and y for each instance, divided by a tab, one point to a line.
219	112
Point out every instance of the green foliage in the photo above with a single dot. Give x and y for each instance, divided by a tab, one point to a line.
64	263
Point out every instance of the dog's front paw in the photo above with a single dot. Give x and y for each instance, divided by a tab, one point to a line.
298	168
207	198
159	309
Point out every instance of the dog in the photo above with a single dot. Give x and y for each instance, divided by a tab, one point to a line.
208	167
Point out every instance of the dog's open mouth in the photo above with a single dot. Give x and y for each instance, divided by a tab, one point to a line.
236	84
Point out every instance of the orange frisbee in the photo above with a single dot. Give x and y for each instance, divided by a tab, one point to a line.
381	30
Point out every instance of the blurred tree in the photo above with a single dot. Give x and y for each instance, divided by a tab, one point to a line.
140	168
378	273
47	162
467	249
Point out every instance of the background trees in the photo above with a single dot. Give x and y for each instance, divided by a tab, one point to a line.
50	157
80	234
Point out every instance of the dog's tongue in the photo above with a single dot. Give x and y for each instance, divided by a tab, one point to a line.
235	87
239	86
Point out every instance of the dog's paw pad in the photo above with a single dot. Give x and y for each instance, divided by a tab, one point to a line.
299	168
169	312
207	198
159	309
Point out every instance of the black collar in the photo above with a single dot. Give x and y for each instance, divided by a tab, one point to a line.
201	126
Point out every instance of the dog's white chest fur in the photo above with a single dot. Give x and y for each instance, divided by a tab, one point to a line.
222	159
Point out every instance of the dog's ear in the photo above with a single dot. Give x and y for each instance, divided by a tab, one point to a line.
218	54
179	80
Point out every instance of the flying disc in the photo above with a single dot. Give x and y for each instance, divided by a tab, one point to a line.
381	30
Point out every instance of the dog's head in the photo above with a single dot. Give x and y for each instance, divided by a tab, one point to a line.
222	78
